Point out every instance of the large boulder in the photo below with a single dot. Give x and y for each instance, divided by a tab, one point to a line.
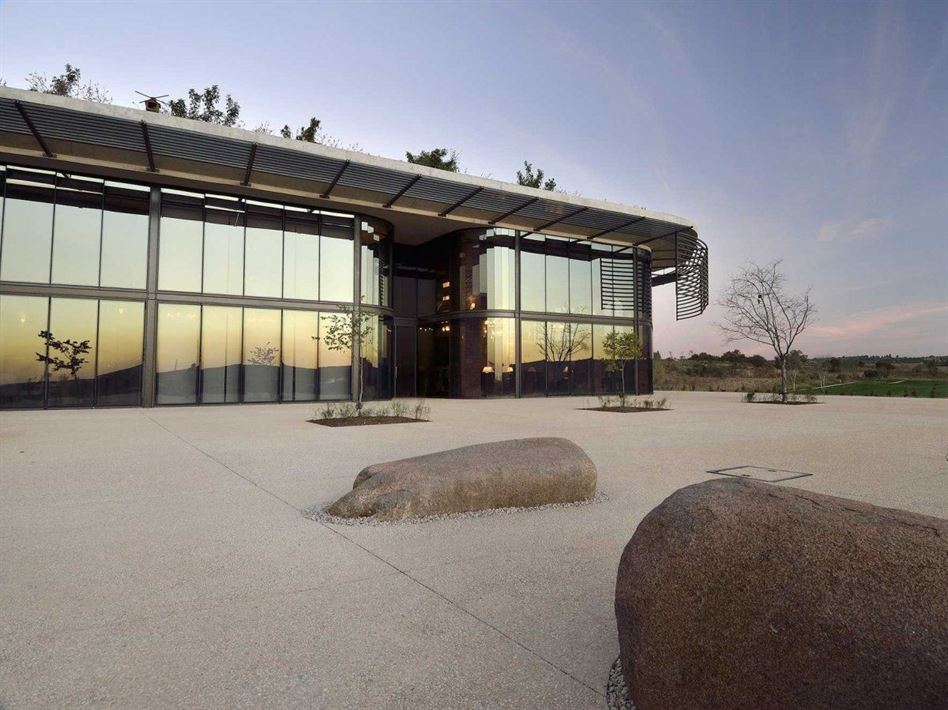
518	473
737	594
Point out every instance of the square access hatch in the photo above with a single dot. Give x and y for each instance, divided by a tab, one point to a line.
760	473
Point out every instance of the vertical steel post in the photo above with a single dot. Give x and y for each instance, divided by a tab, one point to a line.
151	301
357	304
517	346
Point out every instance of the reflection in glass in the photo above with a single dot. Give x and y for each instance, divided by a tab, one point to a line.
180	242
532	275
631	368
220	354
336	266
300	350
335	366
264	252
580	358
261	355
434	378
224	251
301	256
27	227
22	374
483	356
178	353
124	236
119	374
604	381
70	346
564	344
77	231
532	358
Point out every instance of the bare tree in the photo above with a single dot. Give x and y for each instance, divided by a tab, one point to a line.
560	341
343	331
759	308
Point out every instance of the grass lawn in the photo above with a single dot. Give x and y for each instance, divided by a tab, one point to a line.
888	388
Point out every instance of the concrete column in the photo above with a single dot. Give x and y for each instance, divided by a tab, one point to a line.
517	350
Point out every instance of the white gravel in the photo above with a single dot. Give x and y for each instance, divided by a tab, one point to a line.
617	692
319	514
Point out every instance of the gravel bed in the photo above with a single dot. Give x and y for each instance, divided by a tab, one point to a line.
617	692
319	514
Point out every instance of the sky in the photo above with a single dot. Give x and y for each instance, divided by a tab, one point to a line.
815	133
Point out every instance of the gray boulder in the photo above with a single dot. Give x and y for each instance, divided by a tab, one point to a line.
737	594
518	473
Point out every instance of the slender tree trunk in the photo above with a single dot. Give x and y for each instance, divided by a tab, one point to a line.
783	379
361	384
622	377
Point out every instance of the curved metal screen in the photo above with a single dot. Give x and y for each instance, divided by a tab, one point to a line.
691	271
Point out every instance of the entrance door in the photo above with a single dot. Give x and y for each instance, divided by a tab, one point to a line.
405	360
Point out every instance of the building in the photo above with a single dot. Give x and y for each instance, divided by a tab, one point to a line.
151	260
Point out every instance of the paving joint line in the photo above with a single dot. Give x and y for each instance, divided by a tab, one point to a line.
386	562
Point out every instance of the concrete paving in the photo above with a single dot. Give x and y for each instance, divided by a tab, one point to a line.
161	557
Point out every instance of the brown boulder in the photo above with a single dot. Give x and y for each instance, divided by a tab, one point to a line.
737	594
518	473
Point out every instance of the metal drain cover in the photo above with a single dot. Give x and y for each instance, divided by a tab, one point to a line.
760	473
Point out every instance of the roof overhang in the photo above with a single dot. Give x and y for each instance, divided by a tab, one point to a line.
69	133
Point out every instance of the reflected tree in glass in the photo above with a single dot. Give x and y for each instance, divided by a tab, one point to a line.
343	331
67	356
560	344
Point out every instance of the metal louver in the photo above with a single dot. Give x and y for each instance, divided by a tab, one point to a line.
618	284
691	271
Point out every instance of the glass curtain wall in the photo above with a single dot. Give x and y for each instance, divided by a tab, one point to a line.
62	352
71	230
227	246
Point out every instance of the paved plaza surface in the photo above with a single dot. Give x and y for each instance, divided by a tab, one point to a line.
161	557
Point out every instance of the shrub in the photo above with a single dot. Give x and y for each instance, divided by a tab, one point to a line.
810	397
347	410
422	410
327	412
647	403
399	409
662	403
750	396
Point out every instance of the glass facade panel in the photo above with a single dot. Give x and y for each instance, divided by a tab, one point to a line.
580	279
124	236
77	231
532	275
23	320
603	380
178	353
483	357
70	352
261	355
335	366
264	252
220	354
27	227
557	275
224	251
376	265
300	351
119	370
336	268
301	256
180	245
532	358
581	358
